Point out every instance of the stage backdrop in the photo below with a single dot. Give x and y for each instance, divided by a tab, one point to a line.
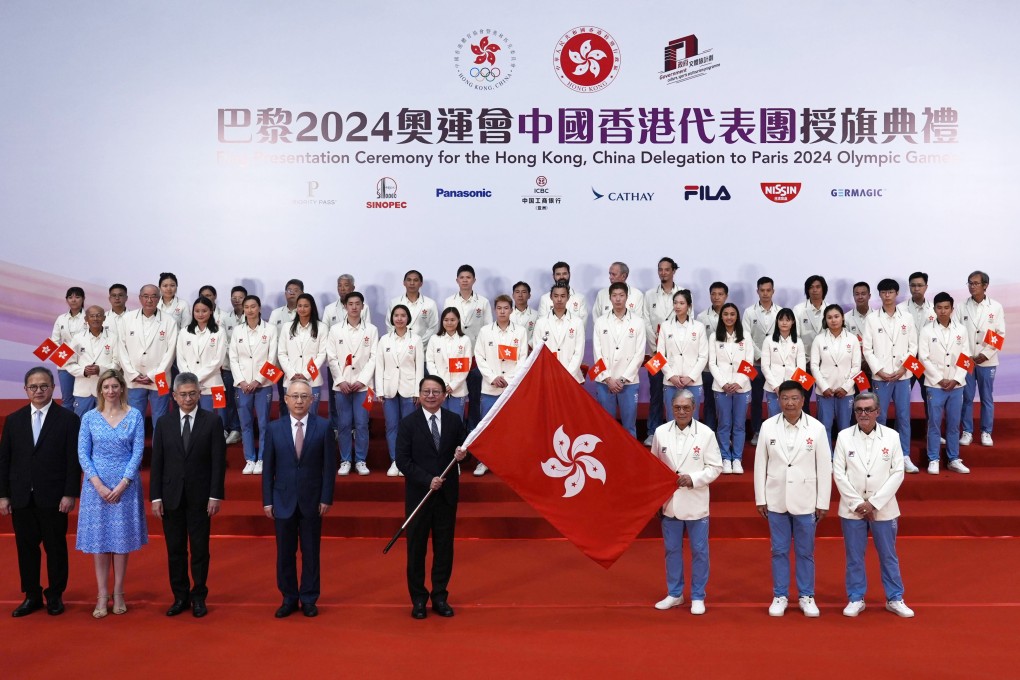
239	142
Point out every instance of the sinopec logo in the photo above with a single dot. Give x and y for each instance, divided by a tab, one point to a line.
780	192
704	192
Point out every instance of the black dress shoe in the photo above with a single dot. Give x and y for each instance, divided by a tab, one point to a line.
443	608
309	609
177	607
27	607
286	609
55	606
198	609
418	610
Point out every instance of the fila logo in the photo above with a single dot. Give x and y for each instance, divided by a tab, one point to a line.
704	193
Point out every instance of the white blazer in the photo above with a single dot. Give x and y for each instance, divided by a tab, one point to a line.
835	361
685	348
796	479
475	312
979	318
202	353
603	306
527	319
178	309
939	348
724	361
779	360
658	310
424	317
759	324
693	452
576	305
89	349
357	342
491	362
888	340
399	365
147	346
442	348
868	468
67	327
250	349
810	322
294	353
621	344
564	336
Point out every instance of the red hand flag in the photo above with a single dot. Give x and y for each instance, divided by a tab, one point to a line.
805	380
913	365
219	396
271	373
369	400
994	339
863	384
747	369
564	455
460	365
597	369
507	352
655	364
61	355
965	362
349	361
313	370
162	385
44	350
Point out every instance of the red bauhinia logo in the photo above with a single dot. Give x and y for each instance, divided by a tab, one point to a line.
586	59
780	192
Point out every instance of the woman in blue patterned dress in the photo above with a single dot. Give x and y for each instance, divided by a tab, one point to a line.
111	521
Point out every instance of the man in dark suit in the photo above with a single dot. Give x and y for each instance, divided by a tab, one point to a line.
298	467
189	461
427	440
39	482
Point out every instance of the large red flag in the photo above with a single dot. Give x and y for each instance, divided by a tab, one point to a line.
572	462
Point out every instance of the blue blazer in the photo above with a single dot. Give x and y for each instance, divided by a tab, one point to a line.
288	483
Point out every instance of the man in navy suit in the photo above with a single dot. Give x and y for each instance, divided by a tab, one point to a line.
39	483
427	440
297	491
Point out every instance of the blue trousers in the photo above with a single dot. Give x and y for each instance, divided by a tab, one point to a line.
83	405
352	414
656	408
455	404
801	529
697	536
730	410
896	392
982	380
773	401
66	382
626	400
709	416
855	540
395	409
141	398
838	409
488	401
670	393
941	402
257	403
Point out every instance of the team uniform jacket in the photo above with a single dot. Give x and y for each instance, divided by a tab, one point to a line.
868	468
835	360
493	362
759	324
424	316
693	451
201	352
602	306
658	310
147	346
357	342
90	349
810	322
779	360
939	348
978	319
724	361
564	336
888	340
250	350
525	319
576	305
294	353
444	347
399	365
475	312
685	348
793	477
177	309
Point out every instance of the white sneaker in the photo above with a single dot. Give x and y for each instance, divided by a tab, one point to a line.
738	468
249	467
754	439
258	468
854	608
233	437
697	607
727	467
986	439
480	470
957	465
899	608
808	606
909	467
933	467
393	471
648	440
362	468
966	438
942	441
345	469
669	602
778	606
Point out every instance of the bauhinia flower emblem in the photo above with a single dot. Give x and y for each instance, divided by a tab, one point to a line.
485	51
587	59
572	462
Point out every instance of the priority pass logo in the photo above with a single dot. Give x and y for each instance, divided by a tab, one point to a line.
780	192
484	59
586	59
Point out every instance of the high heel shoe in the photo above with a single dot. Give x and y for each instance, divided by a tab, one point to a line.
119	607
100	610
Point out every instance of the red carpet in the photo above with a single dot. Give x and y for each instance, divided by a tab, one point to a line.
529	609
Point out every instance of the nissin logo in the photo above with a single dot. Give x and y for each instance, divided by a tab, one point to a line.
780	192
704	193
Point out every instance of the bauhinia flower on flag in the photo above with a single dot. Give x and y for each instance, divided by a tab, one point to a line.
596	370
313	370
748	369
567	458
507	352
271	372
965	362
44	350
61	355
863	384
460	365
655	364
804	378
219	396
912	364
994	339
162	384
369	399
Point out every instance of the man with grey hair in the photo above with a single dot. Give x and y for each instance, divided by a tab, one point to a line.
867	465
986	326
618	272
147	340
689	448
186	486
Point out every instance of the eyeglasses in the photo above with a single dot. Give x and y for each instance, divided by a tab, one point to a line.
38	388
862	411
683	407
299	397
431	393
149	297
188	395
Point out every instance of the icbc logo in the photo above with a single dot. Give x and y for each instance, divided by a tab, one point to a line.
780	192
586	59
541	183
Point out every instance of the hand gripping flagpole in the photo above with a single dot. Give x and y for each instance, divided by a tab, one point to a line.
410	517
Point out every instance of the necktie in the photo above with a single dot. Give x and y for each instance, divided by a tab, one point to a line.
36	427
299	438
435	431
186	432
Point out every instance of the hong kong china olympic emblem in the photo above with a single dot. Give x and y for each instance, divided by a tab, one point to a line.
485	59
